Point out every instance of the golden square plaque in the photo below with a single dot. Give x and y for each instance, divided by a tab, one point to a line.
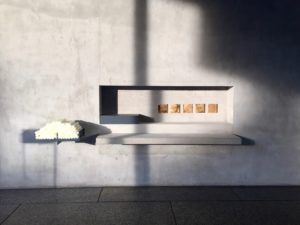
163	108
200	108
175	108
187	108
212	108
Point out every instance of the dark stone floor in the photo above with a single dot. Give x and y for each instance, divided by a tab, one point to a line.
151	205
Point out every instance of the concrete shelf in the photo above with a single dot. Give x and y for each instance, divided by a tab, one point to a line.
168	139
167	128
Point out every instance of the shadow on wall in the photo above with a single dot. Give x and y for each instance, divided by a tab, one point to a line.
257	39
258	43
141	46
28	137
92	130
253	40
246	141
240	37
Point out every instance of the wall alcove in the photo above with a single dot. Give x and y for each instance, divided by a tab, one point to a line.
167	114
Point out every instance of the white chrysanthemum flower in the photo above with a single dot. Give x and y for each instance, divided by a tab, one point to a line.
59	129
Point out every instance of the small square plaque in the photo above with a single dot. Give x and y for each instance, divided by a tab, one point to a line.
163	108
187	108
212	108
175	108
200	108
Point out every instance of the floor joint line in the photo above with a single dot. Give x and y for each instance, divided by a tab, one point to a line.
236	194
10	214
100	194
173	213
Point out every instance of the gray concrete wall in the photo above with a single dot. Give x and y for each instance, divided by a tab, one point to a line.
54	54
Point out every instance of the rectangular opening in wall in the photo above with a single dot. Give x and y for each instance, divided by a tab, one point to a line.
166	104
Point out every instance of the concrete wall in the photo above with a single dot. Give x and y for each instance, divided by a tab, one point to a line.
54	54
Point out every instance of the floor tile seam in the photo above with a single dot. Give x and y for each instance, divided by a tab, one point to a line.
119	201
100	193
244	200
5	219
236	194
168	200
50	202
92	202
10	203
152	201
56	203
173	213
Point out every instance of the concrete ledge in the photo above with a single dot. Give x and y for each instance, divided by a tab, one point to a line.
169	139
170	128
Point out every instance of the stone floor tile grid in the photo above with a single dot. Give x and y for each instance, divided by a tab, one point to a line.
167	194
46	195
266	193
132	213
237	212
152	205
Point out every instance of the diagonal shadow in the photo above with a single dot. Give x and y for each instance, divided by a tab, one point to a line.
258	40
28	137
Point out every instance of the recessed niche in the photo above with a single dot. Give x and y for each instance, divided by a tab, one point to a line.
150	115
166	104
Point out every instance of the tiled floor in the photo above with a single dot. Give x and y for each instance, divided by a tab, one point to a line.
156	205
